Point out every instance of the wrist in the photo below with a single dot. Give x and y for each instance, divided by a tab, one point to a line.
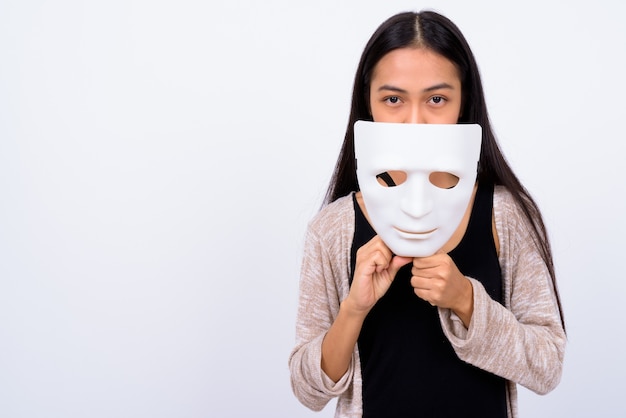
352	310
465	307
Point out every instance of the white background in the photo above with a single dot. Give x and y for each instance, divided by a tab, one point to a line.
159	161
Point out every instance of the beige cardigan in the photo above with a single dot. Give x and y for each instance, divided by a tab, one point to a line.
523	343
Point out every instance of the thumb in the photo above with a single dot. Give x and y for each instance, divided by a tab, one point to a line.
398	262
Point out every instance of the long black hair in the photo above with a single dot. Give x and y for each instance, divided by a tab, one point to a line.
433	31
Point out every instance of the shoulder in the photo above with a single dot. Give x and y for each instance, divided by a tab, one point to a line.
503	200
508	218
514	228
507	210
518	211
332	228
334	215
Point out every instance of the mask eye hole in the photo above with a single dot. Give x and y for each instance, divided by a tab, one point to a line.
391	178
443	180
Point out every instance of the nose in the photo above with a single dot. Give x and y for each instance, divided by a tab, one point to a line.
417	200
415	115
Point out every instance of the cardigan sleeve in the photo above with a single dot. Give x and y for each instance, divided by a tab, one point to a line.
523	342
321	291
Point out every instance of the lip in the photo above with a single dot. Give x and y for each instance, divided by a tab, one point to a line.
414	235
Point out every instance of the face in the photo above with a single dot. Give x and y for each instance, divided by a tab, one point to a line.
416	181
415	85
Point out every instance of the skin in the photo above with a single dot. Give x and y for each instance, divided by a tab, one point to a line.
409	85
417	85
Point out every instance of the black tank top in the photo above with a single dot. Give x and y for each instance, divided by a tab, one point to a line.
408	366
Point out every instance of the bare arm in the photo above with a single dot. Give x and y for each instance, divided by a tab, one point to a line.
339	342
375	270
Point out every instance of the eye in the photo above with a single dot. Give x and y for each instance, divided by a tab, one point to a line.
437	100
391	178
392	100
443	180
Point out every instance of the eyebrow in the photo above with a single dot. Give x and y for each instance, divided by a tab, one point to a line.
426	90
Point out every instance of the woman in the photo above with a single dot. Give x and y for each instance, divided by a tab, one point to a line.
446	335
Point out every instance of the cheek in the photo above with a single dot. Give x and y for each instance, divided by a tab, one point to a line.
381	113
451	115
375	111
459	110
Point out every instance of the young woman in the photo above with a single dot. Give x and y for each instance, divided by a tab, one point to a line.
448	335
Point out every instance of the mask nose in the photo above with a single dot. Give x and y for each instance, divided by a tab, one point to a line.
417	200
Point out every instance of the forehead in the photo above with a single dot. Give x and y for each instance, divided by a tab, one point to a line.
414	65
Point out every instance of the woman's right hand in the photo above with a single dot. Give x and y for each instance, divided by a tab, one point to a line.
376	267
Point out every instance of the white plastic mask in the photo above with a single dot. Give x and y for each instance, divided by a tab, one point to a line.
418	214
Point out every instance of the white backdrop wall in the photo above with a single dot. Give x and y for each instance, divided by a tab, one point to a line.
159	161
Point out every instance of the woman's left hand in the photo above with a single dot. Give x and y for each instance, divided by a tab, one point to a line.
438	281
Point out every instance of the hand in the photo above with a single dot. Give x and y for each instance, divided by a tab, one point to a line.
437	280
376	267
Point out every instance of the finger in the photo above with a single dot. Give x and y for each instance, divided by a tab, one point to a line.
421	283
424	295
431	266
397	263
430	271
381	260
372	246
377	243
424	262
